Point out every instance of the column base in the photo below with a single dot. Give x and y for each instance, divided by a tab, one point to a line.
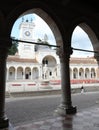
63	111
4	123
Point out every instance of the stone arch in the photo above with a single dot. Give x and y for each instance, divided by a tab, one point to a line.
12	73
87	73
93	73
27	73
89	28
49	60
81	73
19	73
75	73
49	67
35	73
92	36
41	10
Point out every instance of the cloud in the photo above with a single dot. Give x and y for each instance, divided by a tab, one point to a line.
41	28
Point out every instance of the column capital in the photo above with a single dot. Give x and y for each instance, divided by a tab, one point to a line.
64	53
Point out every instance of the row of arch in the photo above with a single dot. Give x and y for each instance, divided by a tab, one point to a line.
83	73
33	73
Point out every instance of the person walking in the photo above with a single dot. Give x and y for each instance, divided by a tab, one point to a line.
82	89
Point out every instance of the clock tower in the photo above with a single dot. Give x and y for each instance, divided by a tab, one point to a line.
26	50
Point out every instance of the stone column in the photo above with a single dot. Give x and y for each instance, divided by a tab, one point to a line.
3	119
15	74
66	104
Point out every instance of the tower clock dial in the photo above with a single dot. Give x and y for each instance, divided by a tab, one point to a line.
27	33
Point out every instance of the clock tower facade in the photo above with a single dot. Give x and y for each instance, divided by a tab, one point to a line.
26	50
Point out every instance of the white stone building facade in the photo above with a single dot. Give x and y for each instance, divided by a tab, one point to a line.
38	62
32	61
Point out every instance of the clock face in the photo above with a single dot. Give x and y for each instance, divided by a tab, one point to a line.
27	33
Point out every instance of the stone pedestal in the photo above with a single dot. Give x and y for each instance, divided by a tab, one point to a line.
62	110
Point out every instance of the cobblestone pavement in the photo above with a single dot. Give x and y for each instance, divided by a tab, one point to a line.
85	120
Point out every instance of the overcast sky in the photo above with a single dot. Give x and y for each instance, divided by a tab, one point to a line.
79	38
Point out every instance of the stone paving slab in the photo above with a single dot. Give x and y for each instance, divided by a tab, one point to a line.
85	120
